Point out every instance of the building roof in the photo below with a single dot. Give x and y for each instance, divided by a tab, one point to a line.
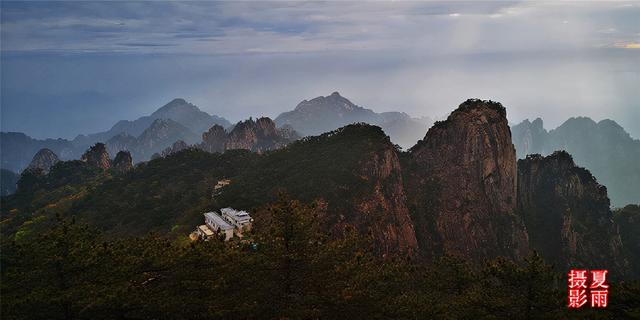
205	229
238	216
212	216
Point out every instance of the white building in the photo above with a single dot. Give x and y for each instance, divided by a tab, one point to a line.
241	220
218	225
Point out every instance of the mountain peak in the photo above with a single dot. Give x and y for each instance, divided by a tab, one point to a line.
175	105
43	161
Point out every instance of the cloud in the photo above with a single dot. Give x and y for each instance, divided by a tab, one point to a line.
240	59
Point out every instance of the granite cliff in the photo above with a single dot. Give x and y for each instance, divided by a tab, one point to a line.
469	163
566	212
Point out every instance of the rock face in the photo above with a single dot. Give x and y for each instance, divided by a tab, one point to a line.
469	164
384	209
567	214
213	140
43	161
123	161
97	156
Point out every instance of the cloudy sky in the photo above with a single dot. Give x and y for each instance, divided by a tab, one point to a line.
78	67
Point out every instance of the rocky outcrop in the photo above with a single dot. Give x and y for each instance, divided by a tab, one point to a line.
43	161
97	156
123	161
467	164
213	140
175	147
258	136
567	213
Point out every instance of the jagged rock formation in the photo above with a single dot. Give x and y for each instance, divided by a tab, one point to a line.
97	156
469	165
176	147
323	114
258	136
123	161
213	140
567	214
604	148
43	161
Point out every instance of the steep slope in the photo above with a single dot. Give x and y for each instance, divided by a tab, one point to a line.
323	114
567	214
604	148
353	173
469	162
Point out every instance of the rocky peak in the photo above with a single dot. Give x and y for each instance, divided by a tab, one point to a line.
469	161
258	136
567	215
123	161
332	102
529	137
213	140
175	147
97	156
42	161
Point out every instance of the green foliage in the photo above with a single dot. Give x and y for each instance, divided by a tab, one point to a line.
292	270
326	166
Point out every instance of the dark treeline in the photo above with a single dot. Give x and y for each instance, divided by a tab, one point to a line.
290	269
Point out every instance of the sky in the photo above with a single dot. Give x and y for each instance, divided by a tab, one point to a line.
78	67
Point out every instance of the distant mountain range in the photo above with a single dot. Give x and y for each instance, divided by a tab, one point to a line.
178	110
177	120
459	191
323	114
604	148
